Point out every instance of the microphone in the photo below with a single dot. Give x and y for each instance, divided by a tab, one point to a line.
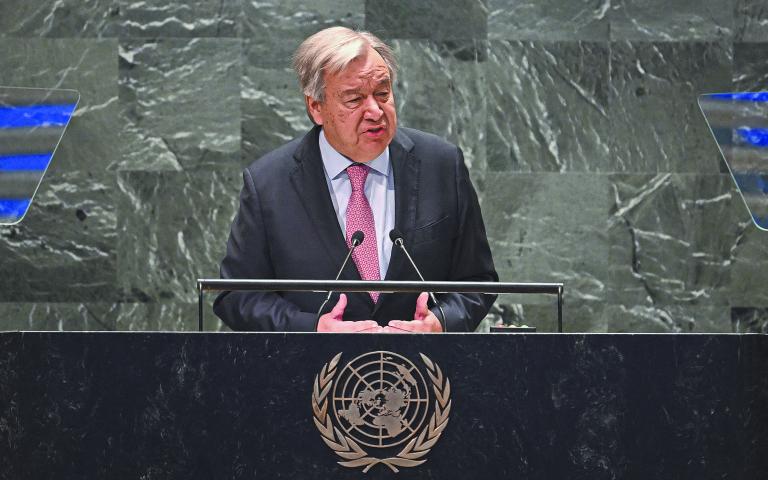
356	240
397	239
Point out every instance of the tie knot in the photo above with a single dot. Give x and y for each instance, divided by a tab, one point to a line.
357	174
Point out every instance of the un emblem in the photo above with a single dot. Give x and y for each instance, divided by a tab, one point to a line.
380	400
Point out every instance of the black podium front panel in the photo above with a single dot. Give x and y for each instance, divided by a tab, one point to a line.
211	406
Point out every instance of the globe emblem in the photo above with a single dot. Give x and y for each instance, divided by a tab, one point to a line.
380	399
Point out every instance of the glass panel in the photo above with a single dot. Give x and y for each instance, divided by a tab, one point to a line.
739	123
32	122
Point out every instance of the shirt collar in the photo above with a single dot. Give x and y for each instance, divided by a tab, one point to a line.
336	163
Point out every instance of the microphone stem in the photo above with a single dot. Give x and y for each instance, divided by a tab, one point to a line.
401	244
344	264
338	275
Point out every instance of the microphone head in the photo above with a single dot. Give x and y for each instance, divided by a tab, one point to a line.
396	236
357	238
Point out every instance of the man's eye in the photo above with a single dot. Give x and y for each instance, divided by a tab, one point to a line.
382	94
353	100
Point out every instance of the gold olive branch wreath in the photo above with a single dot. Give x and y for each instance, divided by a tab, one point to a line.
346	447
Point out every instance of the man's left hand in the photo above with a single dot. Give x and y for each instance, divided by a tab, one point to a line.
424	321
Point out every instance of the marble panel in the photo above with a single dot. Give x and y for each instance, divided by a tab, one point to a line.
548	107
181	101
749	271
273	110
441	89
750	66
657	125
173	230
149	316
478	178
751	21
269	54
275	20
49	317
672	239
102	316
432	19
169	316
679	318
180	18
749	319
59	18
550	228
86	65
144	149
578	316
661	20
64	249
548	20
66	243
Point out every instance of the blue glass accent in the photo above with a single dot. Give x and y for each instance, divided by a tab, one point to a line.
757	137
751	182
761	222
36	116
13	207
742	97
723	135
15	163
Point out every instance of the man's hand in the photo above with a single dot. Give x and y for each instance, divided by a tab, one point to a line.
333	321
424	321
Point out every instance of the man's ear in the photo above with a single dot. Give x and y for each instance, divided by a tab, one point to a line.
314	110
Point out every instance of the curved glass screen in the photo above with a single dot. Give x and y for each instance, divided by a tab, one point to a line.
739	123
32	122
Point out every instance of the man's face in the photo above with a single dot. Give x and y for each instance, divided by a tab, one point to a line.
358	113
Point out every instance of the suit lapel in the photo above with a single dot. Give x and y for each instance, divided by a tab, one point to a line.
406	169
309	181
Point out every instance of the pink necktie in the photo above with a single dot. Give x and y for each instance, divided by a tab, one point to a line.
360	217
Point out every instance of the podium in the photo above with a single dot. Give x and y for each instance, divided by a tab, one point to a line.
246	405
389	286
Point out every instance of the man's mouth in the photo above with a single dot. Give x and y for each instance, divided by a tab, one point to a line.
374	131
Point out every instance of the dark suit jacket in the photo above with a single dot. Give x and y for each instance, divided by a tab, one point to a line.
286	228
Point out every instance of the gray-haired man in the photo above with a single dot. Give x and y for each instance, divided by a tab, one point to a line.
355	171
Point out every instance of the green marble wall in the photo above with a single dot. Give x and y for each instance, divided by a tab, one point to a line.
578	120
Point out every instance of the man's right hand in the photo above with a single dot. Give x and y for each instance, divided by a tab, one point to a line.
333	321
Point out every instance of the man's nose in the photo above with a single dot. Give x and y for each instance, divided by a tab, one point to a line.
373	110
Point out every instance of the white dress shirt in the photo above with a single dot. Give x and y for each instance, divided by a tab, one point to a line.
379	190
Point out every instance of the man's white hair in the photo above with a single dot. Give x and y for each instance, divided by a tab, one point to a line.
330	51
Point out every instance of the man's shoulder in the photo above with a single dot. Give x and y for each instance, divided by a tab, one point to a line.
279	160
424	141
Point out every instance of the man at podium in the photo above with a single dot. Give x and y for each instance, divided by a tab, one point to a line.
358	181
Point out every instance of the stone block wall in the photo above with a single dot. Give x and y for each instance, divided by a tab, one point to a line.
578	121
